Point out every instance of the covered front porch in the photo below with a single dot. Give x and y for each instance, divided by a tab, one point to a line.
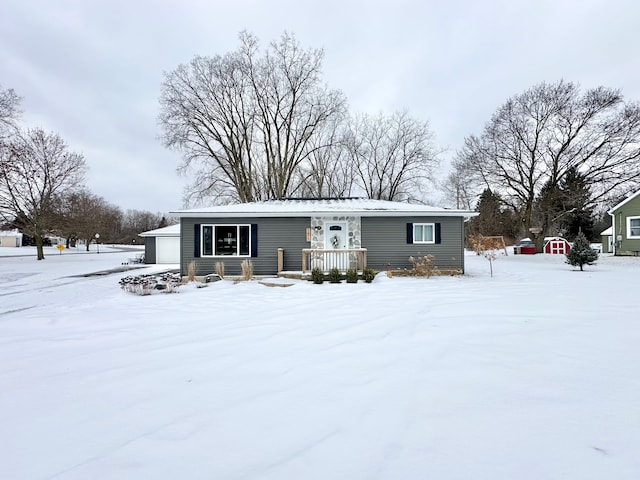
341	258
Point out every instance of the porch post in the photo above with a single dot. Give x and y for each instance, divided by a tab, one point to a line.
280	259
304	261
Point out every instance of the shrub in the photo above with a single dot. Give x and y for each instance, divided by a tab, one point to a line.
423	266
247	270
317	276
220	269
334	275
148	284
368	274
352	275
191	271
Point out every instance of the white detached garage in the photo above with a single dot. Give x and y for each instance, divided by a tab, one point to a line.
162	245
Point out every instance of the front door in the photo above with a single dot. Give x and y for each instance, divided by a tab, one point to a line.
336	239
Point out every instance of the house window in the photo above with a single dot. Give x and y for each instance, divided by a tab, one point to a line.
633	227
424	233
224	240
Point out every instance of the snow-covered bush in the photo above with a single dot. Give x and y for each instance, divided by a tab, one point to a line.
149	284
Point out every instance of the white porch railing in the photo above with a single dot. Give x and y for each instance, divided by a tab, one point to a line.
325	260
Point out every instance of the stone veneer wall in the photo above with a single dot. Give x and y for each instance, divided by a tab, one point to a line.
353	230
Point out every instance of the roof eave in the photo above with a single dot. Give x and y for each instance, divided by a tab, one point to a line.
316	213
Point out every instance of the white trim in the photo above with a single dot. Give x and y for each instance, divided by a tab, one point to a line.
213	235
320	208
628	199
629	236
344	228
170	231
433	233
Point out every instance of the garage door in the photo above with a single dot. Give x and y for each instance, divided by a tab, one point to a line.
167	249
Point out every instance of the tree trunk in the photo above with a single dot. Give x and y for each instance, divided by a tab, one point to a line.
39	249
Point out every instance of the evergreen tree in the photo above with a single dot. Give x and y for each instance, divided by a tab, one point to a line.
493	218
581	252
576	195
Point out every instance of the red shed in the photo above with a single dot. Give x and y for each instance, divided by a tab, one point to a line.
556	245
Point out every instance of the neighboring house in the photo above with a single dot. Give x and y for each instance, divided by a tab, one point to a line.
162	245
556	245
607	240
10	238
625	226
299	234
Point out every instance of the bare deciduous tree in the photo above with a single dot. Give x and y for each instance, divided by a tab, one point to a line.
394	157
39	171
245	122
535	138
84	214
9	111
329	171
457	190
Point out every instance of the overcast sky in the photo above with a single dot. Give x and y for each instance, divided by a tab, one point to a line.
91	70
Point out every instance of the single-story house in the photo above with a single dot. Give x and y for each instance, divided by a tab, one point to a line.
162	245
556	245
297	235
10	238
625	224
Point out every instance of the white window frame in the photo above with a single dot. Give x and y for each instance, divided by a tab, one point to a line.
433	233
213	236
629	235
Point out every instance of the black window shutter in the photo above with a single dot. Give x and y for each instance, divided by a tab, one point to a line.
409	232
438	237
254	239
196	240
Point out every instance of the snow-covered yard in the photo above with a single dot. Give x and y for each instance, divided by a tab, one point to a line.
531	374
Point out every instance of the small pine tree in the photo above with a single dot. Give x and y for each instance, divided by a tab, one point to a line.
352	275
334	275
317	276
581	252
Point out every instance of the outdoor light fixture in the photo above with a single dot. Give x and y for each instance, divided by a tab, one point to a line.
317	228
98	242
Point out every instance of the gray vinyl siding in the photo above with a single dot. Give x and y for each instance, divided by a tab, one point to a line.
273	233
385	239
149	249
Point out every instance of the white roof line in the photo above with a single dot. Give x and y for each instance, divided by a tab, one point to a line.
628	199
306	208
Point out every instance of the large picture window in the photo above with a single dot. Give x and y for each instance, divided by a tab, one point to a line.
633	227
225	240
424	233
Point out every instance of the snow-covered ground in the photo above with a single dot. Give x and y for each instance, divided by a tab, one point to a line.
531	374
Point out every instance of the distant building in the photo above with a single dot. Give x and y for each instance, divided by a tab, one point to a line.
625	218
10	238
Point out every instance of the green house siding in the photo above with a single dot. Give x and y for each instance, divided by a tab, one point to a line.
385	239
273	233
623	244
